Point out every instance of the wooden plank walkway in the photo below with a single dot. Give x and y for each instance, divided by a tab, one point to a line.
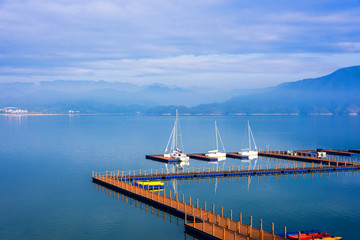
203	157
161	158
354	150
340	152
305	158
229	173
235	155
203	220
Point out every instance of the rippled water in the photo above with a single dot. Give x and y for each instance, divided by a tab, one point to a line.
47	193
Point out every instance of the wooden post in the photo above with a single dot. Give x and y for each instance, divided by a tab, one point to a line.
212	229
222	211
241	218
273	228
197	203
224	236
190	200
185	218
213	208
285	232
205	205
230	214
183	198
250	221
238	227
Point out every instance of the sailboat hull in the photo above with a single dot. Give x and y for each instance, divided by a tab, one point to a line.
249	154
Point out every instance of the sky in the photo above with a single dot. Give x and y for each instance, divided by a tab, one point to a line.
227	44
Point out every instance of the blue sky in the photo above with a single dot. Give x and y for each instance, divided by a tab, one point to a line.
212	43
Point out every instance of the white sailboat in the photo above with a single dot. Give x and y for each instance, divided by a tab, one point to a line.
175	151
215	153
248	152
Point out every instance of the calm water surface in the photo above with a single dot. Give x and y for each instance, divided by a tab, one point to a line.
47	193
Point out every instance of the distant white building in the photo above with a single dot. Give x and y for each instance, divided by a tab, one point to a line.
14	110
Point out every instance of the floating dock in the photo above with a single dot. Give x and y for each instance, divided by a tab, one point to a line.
203	222
235	155
231	173
305	158
203	157
161	158
208	224
340	152
354	150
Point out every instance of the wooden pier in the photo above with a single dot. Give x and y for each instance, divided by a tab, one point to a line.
203	157
202	221
161	158
206	223
340	152
235	155
335	161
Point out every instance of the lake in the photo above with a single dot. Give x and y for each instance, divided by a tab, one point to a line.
47	161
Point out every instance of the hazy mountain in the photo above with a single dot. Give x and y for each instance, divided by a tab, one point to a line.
336	93
101	96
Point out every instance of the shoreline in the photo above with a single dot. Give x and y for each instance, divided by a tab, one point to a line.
170	114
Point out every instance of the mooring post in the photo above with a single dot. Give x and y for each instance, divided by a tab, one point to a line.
241	218
222	211
230	214
197	203
224	233
285	232
213	208
183	198
273	228
205	205
190	200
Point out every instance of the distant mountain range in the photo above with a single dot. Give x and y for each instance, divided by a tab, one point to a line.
336	93
101	96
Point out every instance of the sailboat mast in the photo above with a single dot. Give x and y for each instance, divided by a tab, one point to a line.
176	133
216	137
249	135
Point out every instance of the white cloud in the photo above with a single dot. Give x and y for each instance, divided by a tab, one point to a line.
222	43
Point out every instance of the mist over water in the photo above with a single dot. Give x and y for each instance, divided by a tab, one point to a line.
46	165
